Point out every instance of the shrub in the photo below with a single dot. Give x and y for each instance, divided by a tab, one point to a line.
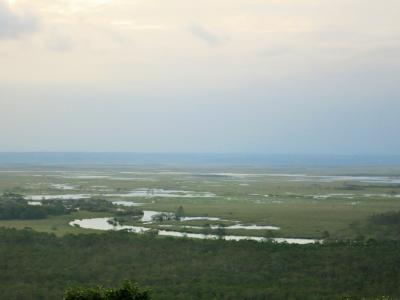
128	291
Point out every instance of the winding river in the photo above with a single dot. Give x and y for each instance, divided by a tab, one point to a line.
106	224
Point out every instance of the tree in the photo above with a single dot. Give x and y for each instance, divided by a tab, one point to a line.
221	232
128	291
13	197
325	235
180	213
269	234
206	229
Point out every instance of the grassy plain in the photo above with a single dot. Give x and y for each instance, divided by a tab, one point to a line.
302	206
57	225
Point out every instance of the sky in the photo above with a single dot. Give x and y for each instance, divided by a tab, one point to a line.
210	76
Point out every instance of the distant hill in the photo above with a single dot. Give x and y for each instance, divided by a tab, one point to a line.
124	158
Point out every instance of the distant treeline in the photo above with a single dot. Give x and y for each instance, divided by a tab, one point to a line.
380	227
388	218
42	266
16	207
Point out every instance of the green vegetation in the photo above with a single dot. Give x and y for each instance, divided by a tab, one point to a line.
54	224
15	207
96	204
41	266
180	213
51	215
128	291
294	206
359	221
389	218
383	226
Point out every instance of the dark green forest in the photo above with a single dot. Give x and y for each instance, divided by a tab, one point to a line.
42	266
15	207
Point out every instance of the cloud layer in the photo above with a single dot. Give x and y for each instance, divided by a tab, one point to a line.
308	76
14	24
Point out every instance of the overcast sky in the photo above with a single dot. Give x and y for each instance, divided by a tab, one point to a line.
259	76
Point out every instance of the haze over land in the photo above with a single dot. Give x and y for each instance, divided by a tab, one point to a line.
140	139
308	76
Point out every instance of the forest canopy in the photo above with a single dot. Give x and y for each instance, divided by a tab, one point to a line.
44	266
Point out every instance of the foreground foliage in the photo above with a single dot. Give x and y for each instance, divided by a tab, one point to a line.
128	291
41	266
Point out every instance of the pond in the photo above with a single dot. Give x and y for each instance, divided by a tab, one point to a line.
127	203
150	193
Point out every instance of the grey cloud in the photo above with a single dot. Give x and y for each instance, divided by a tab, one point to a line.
205	35
14	24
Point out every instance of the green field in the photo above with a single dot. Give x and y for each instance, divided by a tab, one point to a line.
302	206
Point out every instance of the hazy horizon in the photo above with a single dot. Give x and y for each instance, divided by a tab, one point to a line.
126	159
